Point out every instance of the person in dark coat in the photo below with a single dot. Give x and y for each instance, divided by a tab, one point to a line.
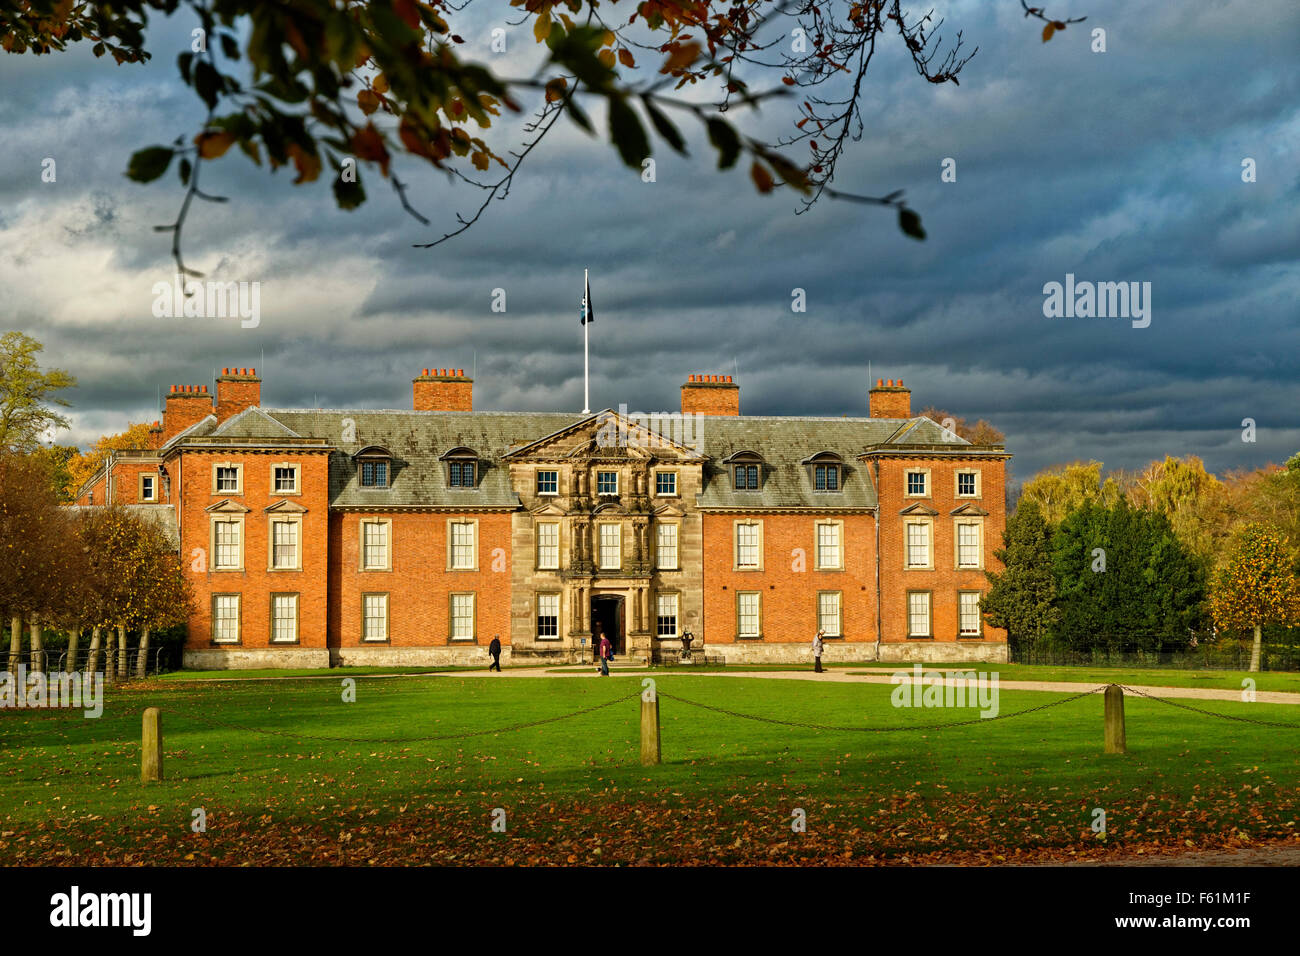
495	650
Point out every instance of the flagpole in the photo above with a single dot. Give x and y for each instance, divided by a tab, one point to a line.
586	389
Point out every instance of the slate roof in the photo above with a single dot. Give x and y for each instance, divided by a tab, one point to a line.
417	440
783	443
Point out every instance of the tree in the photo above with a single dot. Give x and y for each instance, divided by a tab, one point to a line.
1185	493
58	459
337	84
26	392
1124	579
1020	598
1060	489
981	433
40	561
1256	586
83	467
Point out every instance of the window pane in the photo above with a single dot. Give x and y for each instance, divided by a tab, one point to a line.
462	616
747	545
666	559
225	618
966	483
828	546
227	479
284	617
827	477
606	482
548	482
916	483
376	544
828	612
747	614
918	545
286	479
375	610
462	545
968	550
666	615
227	533
548	545
611	553
969	610
666	483
284	544
918	614
548	615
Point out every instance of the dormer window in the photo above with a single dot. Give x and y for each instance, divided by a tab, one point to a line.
825	470
374	466
462	467
746	470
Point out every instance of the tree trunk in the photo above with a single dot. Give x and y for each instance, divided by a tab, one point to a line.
142	656
121	651
92	653
15	642
38	657
1255	649
74	639
110	656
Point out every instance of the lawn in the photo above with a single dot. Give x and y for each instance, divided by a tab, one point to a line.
573	790
1288	681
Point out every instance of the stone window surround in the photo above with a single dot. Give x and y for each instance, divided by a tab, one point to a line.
297	618
451	565
956	544
929	565
735	544
297	478
239	618
388	618
838	523
361	544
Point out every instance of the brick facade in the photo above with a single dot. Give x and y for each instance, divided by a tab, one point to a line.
354	537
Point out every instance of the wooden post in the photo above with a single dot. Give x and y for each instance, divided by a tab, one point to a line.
650	731
1115	743
151	755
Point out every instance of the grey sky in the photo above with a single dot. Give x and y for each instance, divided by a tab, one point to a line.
1122	166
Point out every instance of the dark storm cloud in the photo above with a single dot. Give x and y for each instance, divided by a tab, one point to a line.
1123	166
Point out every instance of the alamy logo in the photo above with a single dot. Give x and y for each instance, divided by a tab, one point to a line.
958	689
1101	300
209	300
74	909
39	690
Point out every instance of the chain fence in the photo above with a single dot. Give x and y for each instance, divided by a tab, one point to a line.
463	735
1208	713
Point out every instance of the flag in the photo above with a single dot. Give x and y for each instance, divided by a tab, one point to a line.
588	313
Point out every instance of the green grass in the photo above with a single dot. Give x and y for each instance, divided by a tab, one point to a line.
1039	774
271	673
1150	677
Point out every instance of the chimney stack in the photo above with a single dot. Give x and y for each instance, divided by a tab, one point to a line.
710	395
237	389
890	400
442	390
186	404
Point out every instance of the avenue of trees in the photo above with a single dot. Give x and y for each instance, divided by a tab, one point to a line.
1162	559
67	574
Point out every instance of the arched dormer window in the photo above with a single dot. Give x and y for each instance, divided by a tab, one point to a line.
746	470
825	470
374	466
462	467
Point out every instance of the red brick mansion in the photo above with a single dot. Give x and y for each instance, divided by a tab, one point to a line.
318	537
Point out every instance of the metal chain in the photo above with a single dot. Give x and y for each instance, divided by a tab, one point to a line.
880	730
1209	713
409	740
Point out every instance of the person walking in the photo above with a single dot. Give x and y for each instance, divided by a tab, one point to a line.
817	650
495	650
606	652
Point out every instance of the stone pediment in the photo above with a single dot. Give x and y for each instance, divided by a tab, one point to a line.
226	506
669	511
611	436
285	506
549	510
968	510
919	510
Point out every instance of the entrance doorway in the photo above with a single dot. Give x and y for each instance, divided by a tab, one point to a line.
607	619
